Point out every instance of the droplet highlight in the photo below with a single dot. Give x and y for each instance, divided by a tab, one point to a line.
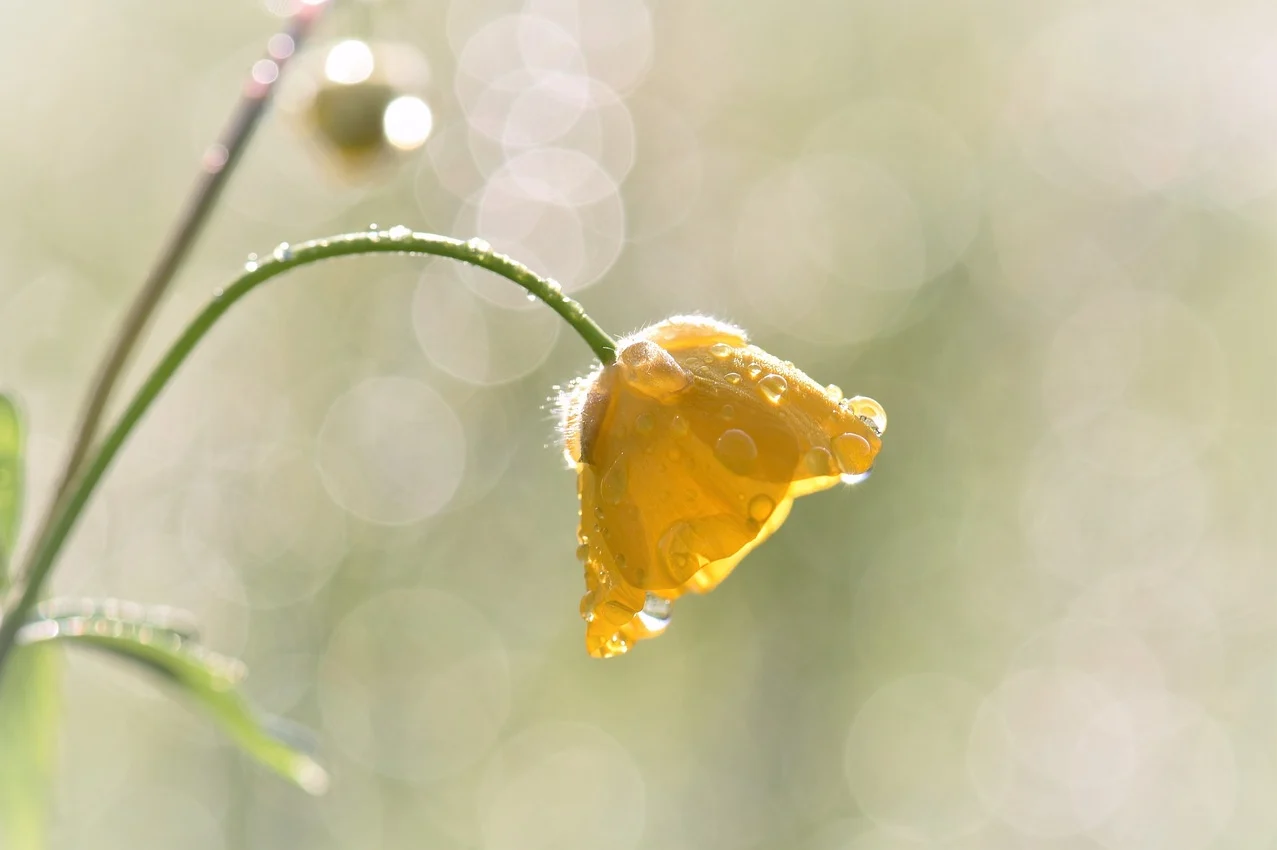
721	350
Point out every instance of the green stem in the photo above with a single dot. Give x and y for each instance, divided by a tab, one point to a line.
394	241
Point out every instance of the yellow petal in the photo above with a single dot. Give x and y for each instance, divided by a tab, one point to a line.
690	451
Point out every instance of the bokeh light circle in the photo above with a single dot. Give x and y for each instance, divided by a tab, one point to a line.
414	684
391	451
905	757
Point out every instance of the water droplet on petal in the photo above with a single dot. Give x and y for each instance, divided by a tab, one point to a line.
773	388
582	552
678	426
655	615
677	549
721	350
870	411
732	378
644	423
819	461
727	412
761	507
650	369
283	251
854	453
736	450
754	372
833	392
615	480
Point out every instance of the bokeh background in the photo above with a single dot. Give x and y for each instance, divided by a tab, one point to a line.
1041	234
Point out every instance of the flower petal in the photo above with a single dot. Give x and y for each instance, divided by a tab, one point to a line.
690	451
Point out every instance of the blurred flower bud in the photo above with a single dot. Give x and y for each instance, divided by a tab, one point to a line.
363	104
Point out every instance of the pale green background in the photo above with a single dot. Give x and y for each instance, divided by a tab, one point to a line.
1040	234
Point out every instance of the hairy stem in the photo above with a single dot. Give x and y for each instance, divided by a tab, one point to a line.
394	241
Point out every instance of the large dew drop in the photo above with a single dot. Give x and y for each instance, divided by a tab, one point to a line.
854	454
652	371
773	388
870	411
737	451
655	615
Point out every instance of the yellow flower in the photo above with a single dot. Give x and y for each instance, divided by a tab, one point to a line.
690	450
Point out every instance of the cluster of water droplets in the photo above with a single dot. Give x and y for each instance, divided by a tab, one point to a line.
167	629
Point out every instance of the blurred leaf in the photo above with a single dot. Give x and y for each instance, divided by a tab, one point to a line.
29	700
207	677
11	445
29	705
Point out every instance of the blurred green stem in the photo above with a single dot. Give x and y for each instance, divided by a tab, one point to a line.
219	161
394	241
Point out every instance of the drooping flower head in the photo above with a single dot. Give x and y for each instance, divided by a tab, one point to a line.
690	450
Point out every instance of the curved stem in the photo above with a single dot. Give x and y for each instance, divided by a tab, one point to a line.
394	241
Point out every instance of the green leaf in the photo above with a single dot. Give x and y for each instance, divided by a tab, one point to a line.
31	696
11	447
29	704
150	637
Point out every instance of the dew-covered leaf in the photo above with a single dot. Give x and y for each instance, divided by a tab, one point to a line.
29	709
164	641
